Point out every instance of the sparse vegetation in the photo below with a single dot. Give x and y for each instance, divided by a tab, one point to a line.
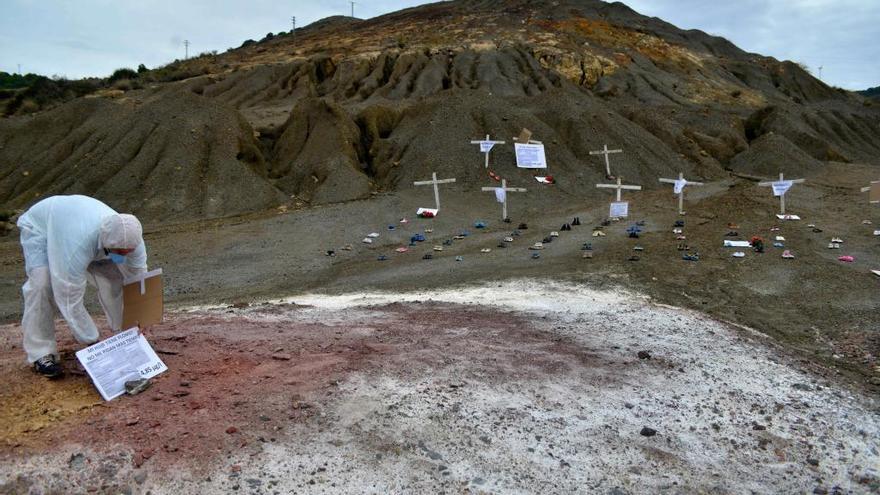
123	73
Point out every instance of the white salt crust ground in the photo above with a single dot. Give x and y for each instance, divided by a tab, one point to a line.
732	414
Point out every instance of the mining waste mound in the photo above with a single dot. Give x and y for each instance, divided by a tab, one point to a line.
346	108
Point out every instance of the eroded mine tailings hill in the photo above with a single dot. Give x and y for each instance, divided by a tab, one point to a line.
345	108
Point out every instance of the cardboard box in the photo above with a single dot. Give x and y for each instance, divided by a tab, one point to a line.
143	304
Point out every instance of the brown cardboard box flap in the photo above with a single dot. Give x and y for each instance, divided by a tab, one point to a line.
874	194
143	304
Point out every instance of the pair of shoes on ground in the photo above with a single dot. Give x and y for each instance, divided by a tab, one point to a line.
565	226
576	221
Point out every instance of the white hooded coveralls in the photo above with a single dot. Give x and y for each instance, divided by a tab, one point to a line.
64	240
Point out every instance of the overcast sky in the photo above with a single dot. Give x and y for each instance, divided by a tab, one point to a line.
78	38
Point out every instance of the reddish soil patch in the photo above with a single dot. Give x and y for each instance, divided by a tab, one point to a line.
237	381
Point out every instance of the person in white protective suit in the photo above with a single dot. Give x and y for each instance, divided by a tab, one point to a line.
67	242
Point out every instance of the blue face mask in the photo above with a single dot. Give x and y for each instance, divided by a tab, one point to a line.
117	258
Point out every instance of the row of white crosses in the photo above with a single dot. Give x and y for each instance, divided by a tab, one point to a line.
780	187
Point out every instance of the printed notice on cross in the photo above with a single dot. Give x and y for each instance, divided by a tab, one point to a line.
678	186
486	146
501	195
780	188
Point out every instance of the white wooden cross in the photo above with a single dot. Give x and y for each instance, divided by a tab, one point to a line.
620	187
605	151
781	196
679	184
506	190
434	182
486	147
868	189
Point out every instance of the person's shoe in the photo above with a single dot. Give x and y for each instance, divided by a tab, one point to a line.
47	367
679	223
634	235
554	234
522	226
732	233
576	221
588	255
506	220
548	240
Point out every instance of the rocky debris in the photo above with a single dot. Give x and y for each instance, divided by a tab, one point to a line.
644	355
135	387
648	432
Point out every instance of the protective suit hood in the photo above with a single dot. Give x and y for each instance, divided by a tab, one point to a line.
121	231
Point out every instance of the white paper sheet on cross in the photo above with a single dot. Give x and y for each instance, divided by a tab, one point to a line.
502	196
434	182
605	151
486	146
620	187
680	184
874	190
781	187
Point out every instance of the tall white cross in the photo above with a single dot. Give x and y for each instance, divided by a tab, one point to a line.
605	151
620	187
679	187
874	183
486	147
434	182
505	190
783	186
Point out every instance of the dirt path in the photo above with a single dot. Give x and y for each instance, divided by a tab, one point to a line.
524	386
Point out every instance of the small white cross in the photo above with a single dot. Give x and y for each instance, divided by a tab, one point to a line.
605	151
488	143
682	182
434	182
874	183
781	196
506	190
620	187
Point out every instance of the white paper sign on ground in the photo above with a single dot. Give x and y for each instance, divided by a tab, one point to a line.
500	194
486	146
432	211
736	243
781	187
530	155
787	217
619	210
123	357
